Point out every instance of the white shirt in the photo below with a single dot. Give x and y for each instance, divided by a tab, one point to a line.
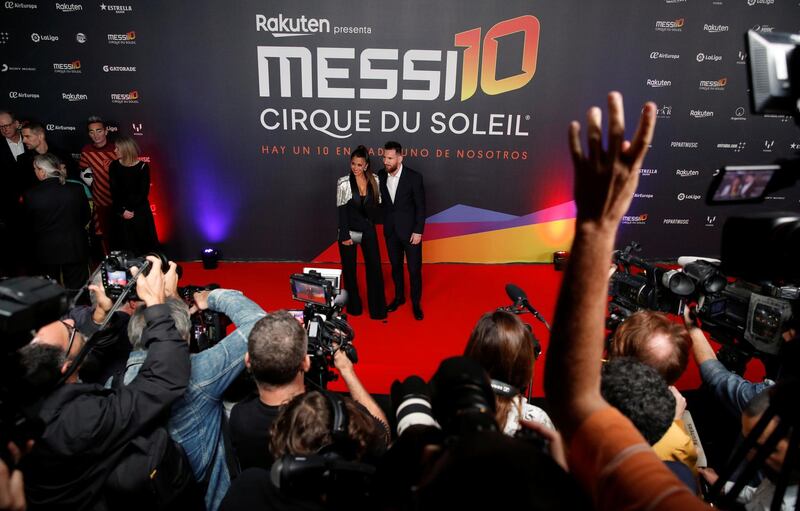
392	180
17	148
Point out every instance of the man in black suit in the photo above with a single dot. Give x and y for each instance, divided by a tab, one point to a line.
11	149
56	213
403	197
34	135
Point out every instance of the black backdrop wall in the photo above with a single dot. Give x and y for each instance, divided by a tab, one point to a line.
246	110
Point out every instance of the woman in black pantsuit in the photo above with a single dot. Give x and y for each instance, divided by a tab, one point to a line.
358	197
130	185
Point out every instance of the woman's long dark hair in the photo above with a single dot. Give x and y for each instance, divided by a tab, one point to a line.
361	152
503	345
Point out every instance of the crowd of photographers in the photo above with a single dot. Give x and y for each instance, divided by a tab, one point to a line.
132	415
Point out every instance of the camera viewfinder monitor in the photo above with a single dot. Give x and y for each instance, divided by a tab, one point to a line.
772	69
741	183
310	290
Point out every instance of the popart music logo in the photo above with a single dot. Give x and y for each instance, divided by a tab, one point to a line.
131	97
73	67
126	38
676	221
479	55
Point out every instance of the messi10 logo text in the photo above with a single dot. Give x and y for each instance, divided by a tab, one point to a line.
479	67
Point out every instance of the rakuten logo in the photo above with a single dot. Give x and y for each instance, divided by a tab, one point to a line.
291	27
715	29
686	172
701	114
69	7
658	83
73	96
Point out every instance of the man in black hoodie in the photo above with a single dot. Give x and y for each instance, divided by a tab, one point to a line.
86	425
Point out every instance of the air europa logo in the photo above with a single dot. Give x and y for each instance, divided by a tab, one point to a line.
478	67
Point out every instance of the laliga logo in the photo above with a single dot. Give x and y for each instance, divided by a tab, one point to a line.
478	67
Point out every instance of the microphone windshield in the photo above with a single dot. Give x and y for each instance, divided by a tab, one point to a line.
341	299
516	294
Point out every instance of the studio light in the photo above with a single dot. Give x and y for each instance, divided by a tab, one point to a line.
210	258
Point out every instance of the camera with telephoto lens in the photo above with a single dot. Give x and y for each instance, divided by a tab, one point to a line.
115	271
208	327
328	329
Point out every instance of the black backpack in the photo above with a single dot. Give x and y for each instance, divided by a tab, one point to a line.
153	474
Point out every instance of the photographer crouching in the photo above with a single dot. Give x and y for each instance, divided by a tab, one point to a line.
87	427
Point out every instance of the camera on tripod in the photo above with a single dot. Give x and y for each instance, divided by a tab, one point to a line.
328	329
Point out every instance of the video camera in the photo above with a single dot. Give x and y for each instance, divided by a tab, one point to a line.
749	317
327	327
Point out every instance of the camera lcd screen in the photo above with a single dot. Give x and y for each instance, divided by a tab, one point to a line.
742	183
308	292
117	278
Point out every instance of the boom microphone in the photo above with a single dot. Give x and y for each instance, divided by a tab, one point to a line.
520	298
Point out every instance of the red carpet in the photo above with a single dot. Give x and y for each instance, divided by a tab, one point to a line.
454	297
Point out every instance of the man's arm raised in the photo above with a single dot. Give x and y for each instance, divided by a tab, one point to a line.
605	180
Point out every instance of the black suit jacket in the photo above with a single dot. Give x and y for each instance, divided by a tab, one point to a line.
406	214
11	186
56	216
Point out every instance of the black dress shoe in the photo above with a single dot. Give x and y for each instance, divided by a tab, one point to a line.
394	304
418	315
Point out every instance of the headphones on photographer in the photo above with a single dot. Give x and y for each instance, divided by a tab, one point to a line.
341	444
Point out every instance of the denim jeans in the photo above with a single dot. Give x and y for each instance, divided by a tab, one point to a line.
195	419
